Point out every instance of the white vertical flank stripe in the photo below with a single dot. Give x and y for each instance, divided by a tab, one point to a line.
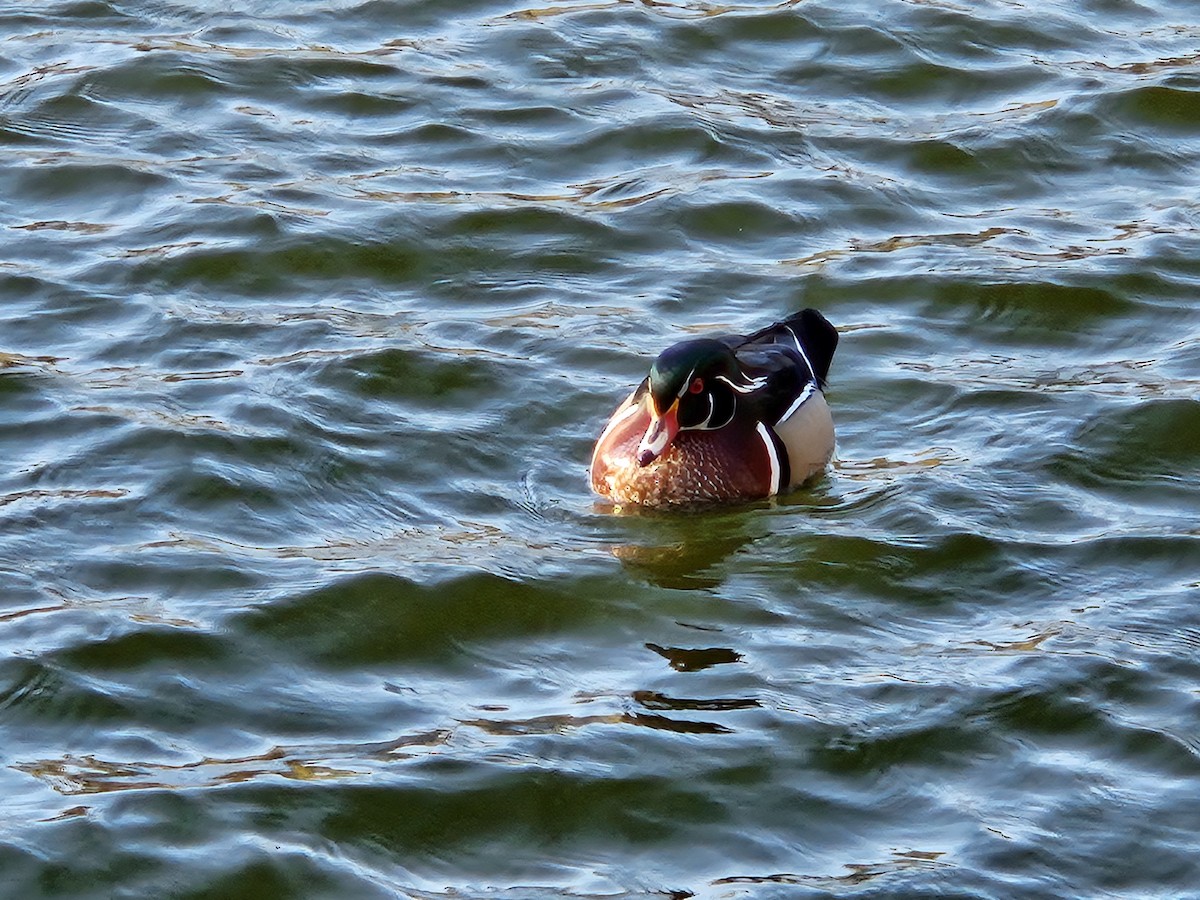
772	455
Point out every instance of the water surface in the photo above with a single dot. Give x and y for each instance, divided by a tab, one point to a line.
309	315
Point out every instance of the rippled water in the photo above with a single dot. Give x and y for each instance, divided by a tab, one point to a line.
309	314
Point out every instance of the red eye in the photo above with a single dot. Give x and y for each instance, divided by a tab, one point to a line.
696	386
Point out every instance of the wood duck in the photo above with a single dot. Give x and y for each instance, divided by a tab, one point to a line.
731	417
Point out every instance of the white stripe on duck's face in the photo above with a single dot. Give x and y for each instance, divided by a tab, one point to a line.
697	408
662	429
702	400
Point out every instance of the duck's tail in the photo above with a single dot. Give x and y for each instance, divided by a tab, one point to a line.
812	335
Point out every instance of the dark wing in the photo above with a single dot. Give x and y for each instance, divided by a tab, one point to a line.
779	375
808	333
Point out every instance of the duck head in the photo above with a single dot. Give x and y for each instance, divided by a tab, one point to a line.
692	385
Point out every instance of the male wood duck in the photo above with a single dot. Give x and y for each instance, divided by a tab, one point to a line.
731	417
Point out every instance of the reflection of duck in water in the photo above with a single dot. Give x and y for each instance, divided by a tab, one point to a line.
684	553
726	418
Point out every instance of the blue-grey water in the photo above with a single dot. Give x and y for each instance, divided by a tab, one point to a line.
310	313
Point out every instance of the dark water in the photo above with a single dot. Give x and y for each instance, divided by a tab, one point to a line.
309	314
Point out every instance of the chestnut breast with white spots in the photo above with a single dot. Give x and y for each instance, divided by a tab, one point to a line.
731	463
